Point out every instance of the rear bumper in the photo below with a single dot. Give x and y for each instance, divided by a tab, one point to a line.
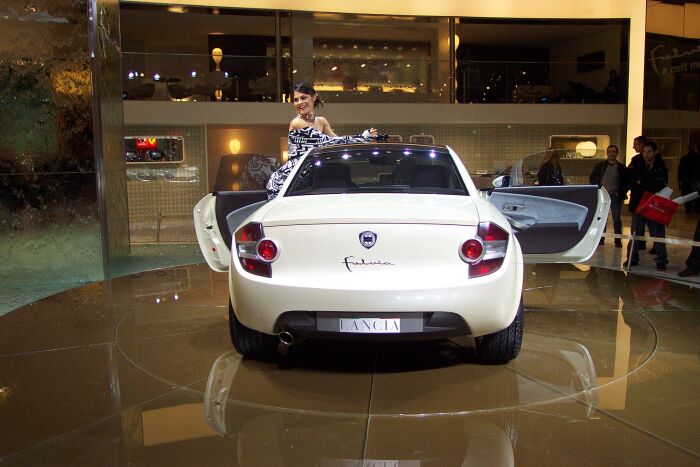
485	304
414	326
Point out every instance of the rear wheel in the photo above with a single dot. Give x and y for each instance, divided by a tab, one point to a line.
502	346
249	342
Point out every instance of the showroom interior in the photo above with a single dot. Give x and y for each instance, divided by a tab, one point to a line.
119	116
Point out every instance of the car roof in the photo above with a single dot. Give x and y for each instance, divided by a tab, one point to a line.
370	145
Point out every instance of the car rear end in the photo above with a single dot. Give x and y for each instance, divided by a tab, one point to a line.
376	259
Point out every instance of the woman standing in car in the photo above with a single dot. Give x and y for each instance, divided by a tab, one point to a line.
550	169
307	131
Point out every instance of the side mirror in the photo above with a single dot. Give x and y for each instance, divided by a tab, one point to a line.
501	181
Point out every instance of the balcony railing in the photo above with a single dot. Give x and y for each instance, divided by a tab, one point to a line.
182	77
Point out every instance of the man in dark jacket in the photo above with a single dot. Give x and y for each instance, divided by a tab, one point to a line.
612	175
635	170
653	177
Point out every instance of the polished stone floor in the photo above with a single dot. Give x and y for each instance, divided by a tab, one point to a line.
140	370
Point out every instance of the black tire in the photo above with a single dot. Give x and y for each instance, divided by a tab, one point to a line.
502	346
251	343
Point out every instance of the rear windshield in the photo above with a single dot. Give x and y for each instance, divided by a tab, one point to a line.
378	170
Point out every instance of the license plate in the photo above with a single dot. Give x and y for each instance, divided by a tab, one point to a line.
370	325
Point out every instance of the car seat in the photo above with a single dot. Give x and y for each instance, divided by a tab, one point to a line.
330	175
433	176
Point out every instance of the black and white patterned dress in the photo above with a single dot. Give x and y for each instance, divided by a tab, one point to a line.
299	142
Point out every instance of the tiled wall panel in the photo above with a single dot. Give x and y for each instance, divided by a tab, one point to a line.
169	203
484	147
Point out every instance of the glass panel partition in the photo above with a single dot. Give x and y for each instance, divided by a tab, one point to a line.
191	77
544	82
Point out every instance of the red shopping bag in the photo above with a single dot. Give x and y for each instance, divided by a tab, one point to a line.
656	208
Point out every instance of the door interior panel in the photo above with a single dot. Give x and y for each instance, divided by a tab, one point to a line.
228	202
548	219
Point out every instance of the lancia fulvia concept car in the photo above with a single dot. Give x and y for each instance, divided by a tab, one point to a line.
389	241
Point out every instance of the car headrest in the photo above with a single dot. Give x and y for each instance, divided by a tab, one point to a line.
434	176
330	175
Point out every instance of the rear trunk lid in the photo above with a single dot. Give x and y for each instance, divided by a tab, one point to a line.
387	208
370	242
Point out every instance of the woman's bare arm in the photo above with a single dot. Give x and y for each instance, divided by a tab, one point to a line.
326	127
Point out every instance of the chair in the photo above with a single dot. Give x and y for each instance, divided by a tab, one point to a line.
430	176
179	92
140	91
213	81
331	176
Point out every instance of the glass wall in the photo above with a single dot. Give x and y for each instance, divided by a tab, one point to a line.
672	73
203	54
168	55
541	61
49	212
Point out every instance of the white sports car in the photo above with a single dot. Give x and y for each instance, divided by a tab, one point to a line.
389	241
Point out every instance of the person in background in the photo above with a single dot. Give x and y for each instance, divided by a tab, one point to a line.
635	171
307	131
687	170
550	173
654	178
611	94
612	175
693	261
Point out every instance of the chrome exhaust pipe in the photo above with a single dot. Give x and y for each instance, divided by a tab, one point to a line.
287	337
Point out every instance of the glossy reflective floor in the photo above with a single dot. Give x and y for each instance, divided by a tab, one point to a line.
140	371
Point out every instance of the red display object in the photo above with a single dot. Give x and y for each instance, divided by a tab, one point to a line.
651	292
656	208
146	143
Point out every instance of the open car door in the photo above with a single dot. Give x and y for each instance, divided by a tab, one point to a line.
216	217
555	224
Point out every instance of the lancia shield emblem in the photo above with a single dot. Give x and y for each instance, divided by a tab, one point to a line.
368	239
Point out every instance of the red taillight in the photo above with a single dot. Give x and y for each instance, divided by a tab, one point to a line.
267	250
250	233
255	252
490	232
472	250
489	249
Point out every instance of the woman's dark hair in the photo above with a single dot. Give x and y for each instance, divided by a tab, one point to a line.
306	88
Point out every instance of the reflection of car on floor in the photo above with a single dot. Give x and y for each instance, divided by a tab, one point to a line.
389	241
268	424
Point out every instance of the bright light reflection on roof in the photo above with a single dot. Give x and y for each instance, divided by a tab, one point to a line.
375	153
317	163
407	153
346	156
432	154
